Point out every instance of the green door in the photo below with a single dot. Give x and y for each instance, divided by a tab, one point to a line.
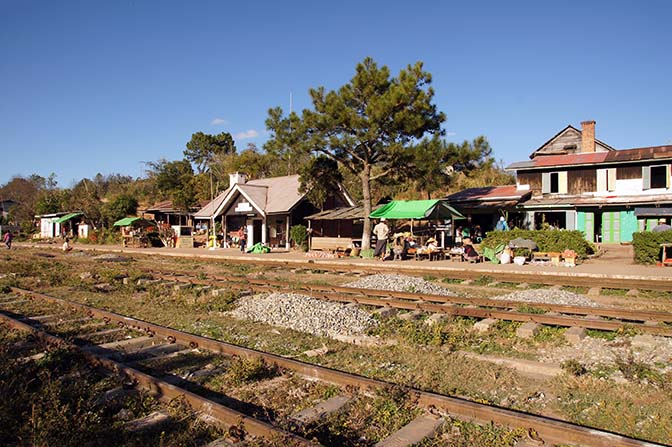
611	227
628	225
586	222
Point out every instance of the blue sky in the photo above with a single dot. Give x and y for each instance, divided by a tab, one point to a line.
93	87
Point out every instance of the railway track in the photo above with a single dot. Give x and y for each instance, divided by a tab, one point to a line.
550	278
134	339
545	278
600	318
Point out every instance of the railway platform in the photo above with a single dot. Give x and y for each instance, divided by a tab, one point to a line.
616	261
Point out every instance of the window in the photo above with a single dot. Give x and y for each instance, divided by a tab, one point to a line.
656	176
554	182
606	179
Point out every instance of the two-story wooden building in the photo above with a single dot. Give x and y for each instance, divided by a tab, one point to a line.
579	182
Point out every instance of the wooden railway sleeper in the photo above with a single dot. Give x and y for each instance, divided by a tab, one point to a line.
551	430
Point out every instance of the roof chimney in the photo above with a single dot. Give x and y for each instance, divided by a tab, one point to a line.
237	178
588	136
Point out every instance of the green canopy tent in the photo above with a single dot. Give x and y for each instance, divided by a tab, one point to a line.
417	209
134	221
66	218
435	209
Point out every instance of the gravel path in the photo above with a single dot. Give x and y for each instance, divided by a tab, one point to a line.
547	296
303	313
400	283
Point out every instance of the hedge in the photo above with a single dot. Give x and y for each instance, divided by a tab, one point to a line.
647	245
546	240
299	234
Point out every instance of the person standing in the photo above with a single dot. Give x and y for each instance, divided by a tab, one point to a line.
8	239
382	232
502	225
242	238
662	226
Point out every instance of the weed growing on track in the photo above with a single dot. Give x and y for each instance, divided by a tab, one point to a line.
55	401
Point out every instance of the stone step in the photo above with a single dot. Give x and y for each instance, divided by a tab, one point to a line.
594	291
484	325
435	318
386	312
422	427
412	315
575	334
149	422
528	330
322	409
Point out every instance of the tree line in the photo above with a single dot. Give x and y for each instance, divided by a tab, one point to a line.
379	135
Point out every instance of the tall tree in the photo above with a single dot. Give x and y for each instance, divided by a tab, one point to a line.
203	148
439	165
85	198
289	145
369	124
176	181
318	178
122	206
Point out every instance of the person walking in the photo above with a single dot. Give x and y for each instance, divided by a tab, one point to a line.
382	232
8	239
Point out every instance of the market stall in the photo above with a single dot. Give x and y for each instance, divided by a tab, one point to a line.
134	231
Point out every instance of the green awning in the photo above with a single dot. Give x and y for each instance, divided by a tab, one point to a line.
417	209
139	221
66	218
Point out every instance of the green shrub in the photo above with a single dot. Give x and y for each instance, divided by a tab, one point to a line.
647	245
299	234
546	240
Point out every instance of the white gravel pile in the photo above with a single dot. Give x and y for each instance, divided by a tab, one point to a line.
400	283
648	349
303	313
547	296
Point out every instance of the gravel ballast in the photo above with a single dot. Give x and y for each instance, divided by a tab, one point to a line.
400	283
304	314
547	296
650	350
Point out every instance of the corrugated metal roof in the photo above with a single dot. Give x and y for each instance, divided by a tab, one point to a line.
642	153
345	213
488	193
616	156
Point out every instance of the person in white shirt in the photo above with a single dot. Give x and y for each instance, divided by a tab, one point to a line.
382	232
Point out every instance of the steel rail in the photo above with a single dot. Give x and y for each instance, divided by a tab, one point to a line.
550	429
165	391
443	271
630	315
626	315
449	308
569	279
